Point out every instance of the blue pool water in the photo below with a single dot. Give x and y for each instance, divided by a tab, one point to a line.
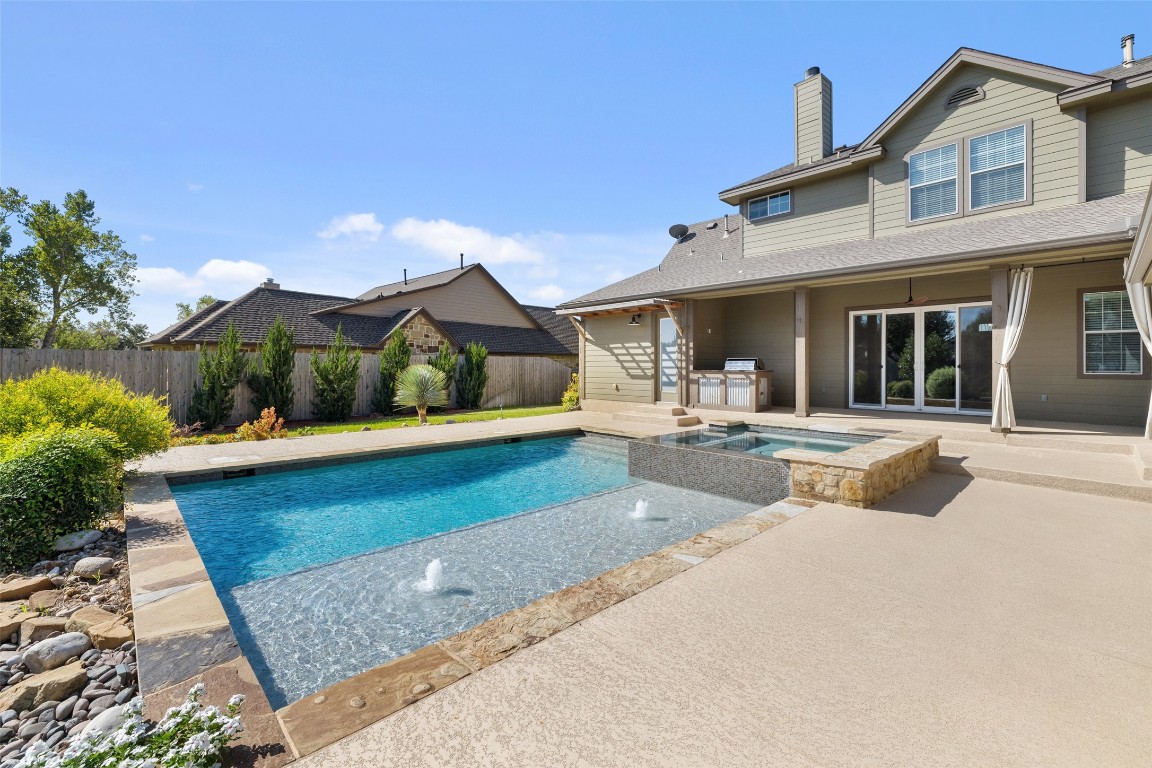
317	569
258	527
764	441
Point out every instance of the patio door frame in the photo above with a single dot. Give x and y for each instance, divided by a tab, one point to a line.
919	381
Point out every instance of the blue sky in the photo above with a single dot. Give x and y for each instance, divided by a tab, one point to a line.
331	145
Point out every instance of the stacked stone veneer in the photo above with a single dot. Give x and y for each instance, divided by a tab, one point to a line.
861	476
423	338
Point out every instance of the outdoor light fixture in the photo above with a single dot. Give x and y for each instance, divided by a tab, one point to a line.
635	320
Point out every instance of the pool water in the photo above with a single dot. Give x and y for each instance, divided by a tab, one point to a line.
317	569
764	441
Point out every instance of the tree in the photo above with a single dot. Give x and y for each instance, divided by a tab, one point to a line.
336	377
185	310
421	387
19	312
394	358
213	400
270	376
473	377
75	266
445	361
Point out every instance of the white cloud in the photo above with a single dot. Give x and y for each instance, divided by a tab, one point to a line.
220	277
147	238
195	186
547	293
358	226
449	239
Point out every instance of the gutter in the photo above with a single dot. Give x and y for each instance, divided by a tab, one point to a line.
1075	97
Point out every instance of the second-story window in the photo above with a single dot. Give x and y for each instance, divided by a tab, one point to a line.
996	168
932	179
775	204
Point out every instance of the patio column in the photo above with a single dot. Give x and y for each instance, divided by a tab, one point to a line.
801	298
687	347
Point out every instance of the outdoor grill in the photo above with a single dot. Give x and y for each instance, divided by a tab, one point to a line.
742	385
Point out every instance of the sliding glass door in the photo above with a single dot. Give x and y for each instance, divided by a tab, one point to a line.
922	358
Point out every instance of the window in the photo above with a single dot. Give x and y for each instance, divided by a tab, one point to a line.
772	205
932	180
996	168
1111	339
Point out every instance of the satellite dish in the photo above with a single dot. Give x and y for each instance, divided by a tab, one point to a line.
678	230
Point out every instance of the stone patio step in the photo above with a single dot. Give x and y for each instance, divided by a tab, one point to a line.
668	419
662	409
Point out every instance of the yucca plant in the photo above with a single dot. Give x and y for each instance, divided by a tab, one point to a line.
421	386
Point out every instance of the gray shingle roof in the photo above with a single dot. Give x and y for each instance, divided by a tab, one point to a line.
503	340
695	264
1139	67
557	325
416	283
254	312
178	327
839	154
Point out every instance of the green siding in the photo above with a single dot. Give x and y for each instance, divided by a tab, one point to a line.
825	211
1120	149
619	359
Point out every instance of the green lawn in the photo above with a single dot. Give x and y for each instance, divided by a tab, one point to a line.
435	418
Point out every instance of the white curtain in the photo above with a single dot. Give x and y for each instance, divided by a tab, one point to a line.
1003	415
1141	301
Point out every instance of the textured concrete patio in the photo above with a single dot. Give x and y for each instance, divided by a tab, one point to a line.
962	622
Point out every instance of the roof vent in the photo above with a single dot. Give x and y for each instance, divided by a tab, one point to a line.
677	231
811	71
1127	43
965	95
270	285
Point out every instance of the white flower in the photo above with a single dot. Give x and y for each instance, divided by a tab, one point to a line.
236	700
196	691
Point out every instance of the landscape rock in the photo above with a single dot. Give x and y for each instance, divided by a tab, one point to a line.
91	567
12	615
44	600
89	616
55	651
20	589
54	685
36	629
77	540
105	722
110	634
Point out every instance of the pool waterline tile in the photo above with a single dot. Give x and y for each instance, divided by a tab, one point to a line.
153	508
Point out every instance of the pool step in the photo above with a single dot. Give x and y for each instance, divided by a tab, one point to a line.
670	415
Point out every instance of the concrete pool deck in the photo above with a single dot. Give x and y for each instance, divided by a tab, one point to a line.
960	622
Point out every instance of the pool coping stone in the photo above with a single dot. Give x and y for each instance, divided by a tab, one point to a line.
184	637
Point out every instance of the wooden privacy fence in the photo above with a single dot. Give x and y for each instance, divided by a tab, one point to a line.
512	381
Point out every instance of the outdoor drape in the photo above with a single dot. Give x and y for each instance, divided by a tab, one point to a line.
1003	415
1141	301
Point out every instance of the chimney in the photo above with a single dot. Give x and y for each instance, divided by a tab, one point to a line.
813	117
1127	42
270	285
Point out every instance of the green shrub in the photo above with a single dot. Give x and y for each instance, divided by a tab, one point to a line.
473	376
271	374
941	383
337	374
55	482
902	390
445	361
65	399
421	387
571	398
393	358
220	372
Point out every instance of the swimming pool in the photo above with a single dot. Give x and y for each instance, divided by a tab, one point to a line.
318	569
765	441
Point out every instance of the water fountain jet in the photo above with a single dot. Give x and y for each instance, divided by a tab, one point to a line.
641	510
433	576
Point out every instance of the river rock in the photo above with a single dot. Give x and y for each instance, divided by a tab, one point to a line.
55	651
19	589
105	722
77	540
54	685
38	628
91	567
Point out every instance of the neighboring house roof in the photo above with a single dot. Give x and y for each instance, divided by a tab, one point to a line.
165	336
1139	67
700	267
559	326
846	155
505	340
434	280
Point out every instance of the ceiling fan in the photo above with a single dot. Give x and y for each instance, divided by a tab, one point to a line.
911	301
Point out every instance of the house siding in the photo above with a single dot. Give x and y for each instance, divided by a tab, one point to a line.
762	325
813	103
1120	149
708	334
825	211
619	359
466	299
1008	98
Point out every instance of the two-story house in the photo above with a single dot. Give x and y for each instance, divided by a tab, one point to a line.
967	256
